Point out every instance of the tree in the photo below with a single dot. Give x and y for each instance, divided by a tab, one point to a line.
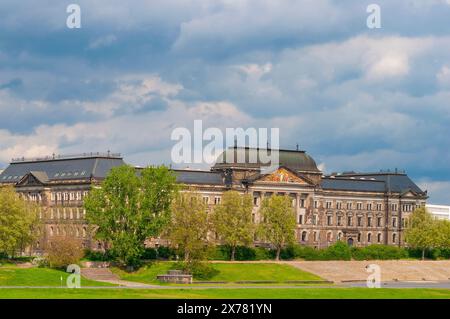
189	225
128	208
277	224
233	220
62	251
18	221
423	231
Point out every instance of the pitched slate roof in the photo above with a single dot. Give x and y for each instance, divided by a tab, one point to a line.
352	185
61	168
393	182
199	177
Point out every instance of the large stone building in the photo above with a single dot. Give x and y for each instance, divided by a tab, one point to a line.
358	208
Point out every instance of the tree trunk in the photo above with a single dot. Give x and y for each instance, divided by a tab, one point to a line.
186	256
233	252
278	253
423	254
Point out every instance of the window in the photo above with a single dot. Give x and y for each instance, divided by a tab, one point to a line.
394	222
302	203
358	206
316	204
52	197
205	200
304	236
255	201
329	220
339	235
349	221
359	237
394	207
369	237
329	204
72	196
216	200
338	205
339	220
300	219
349	205
379	221
359	221
315	236
314	219
329	236
66	196
379	207
379	238
369	221
369	206
394	237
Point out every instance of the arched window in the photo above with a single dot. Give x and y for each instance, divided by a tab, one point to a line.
379	238
304	236
359	237
315	236
369	237
394	237
339	235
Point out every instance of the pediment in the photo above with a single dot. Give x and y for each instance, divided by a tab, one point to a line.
283	175
33	179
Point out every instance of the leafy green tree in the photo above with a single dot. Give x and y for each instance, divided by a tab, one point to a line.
128	208
423	231
277	225
233	220
18	221
188	230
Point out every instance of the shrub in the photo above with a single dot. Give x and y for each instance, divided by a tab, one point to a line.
149	254
164	252
93	255
337	251
199	270
380	252
62	251
262	253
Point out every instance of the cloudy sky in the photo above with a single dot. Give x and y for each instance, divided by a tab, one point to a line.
354	98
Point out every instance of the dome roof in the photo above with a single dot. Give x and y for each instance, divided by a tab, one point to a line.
245	157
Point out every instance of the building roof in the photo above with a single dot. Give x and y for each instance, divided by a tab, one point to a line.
356	185
199	177
247	157
396	182
78	167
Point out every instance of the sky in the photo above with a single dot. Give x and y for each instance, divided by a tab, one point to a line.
354	98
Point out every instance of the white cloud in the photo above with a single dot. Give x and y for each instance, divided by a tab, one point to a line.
103	41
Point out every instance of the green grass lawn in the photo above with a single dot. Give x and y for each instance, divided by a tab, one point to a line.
259	293
228	272
14	276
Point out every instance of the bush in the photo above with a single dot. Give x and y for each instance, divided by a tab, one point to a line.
166	253
380	252
93	255
149	254
199	270
62	251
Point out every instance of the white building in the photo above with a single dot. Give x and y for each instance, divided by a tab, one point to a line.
439	211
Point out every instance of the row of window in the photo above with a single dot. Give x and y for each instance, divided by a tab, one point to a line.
217	200
350	221
65	213
68	196
316	237
68	231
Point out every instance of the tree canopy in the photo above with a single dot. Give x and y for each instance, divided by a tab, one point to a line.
277	225
129	207
233	220
18	221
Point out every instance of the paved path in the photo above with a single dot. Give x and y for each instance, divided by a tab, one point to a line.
391	270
